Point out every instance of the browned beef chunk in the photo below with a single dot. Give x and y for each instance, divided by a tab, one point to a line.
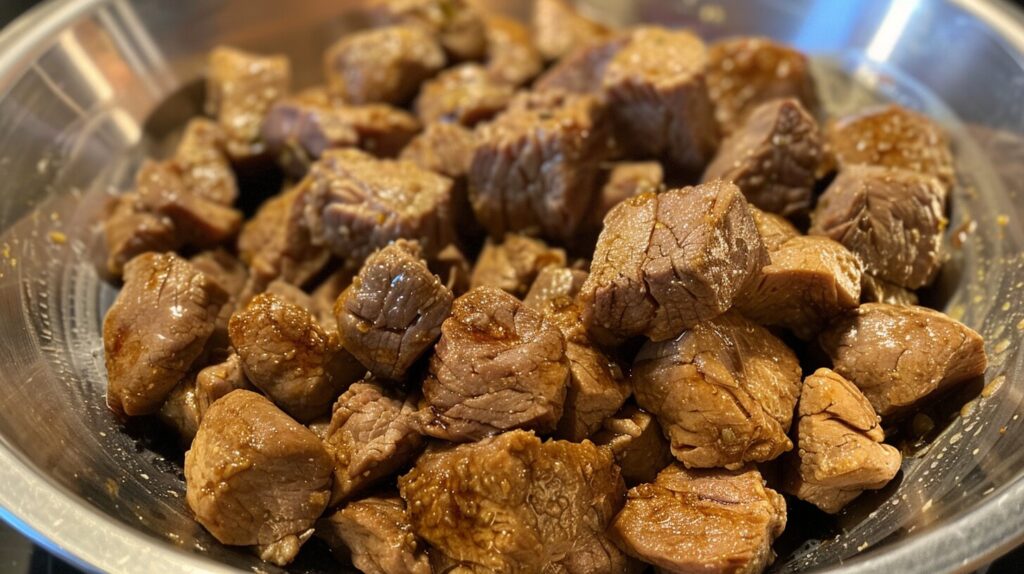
386	65
326	295
536	164
392	313
498	366
197	221
744	73
724	392
202	161
839	443
131	230
809	281
891	219
581	71
216	381
875	290
658	98
666	262
297	131
772	157
240	88
375	534
291	294
290	357
706	521
512	57
277	242
373	434
156	330
255	477
635	438
443	148
453	268
383	130
775	230
558	28
625	180
514	504
180	410
223	268
466	94
455	23
900	355
892	136
513	264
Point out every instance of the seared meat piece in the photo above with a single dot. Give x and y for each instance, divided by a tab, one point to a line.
373	434
513	264
658	98
297	131
875	290
706	521
772	158
156	330
216	381
901	355
744	73
202	161
581	71
277	243
513	504
498	366
625	180
131	230
635	438
558	28
291	294
453	268
383	130
386	65
326	295
180	410
666	262
536	164
455	23
512	57
197	221
724	392
891	219
240	88
222	268
775	230
255	477
466	94
392	312
443	148
839	443
809	281
375	534
289	356
554	288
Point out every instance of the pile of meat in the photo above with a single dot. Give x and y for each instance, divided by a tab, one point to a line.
532	300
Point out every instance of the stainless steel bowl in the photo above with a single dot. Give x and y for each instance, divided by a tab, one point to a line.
88	87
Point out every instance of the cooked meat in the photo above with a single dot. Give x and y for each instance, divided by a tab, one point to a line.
202	161
443	148
297	131
223	268
392	313
892	136
513	264
240	88
555	288
156	330
772	157
456	23
499	365
581	71
891	219
277	242
290	357
131	230
512	57
666	262
875	290
745	72
180	410
373	434
625	180
558	28
197	221
839	444
775	230
375	534
327	293
536	164
705	521
466	94
901	355
635	439
723	392
514	504
453	268
658	98
386	65
216	381
255	477
809	281
291	294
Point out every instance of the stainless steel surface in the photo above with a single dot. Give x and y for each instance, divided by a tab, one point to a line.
83	86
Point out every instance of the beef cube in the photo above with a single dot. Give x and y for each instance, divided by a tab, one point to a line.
130	230
443	148
891	219
456	24
297	131
875	290
536	164
240	88
198	221
386	65
373	434
290	357
746	72
555	288
656	90
156	330
392	313
201	158
453	268
899	356
635	439
277	242
775	230
222	268
499	365
772	158
217	381
723	392
383	130
255	477
514	504
465	94
513	264
809	281
326	295
705	521
375	534
581	71
291	294
180	410
666	262
839	443
624	180
512	57
558	28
